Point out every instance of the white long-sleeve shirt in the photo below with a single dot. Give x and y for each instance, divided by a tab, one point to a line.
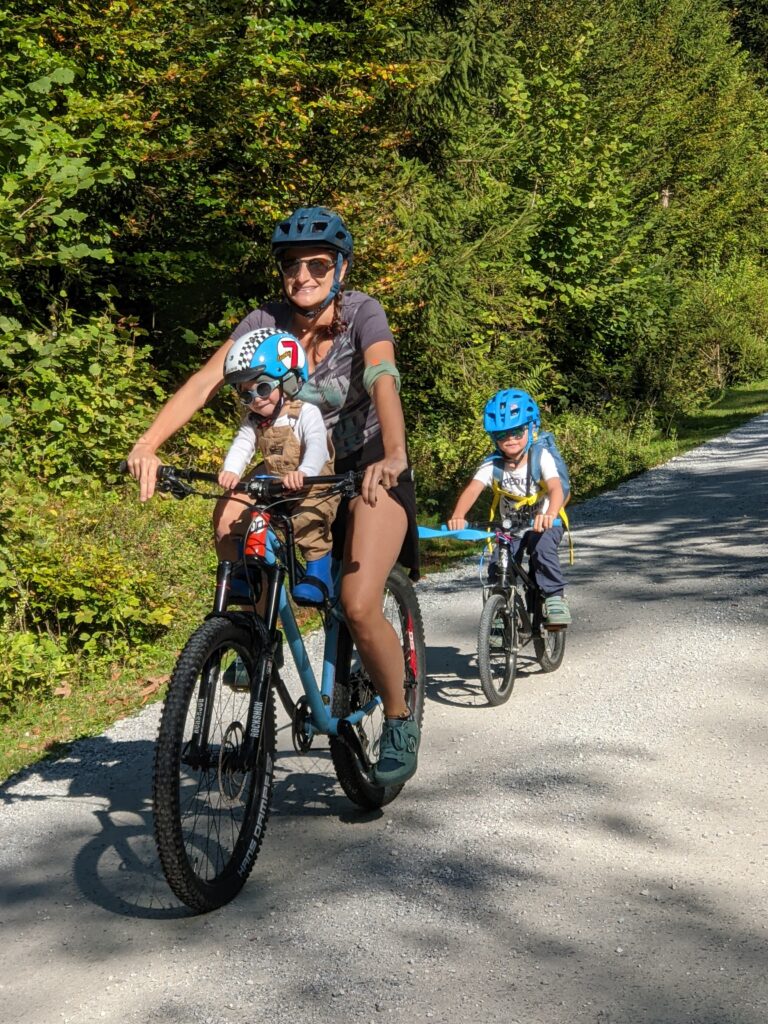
308	427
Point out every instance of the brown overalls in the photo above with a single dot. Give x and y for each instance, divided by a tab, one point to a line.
281	451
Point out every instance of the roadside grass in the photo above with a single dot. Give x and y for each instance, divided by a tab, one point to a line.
40	728
735	407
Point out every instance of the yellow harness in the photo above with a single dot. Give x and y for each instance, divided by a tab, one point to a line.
528	499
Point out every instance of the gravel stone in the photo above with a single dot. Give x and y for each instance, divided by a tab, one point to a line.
591	852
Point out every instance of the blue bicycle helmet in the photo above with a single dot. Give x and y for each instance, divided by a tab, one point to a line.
319	227
271	353
509	409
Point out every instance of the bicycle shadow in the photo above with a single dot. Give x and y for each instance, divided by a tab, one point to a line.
116	868
453	679
105	851
306	786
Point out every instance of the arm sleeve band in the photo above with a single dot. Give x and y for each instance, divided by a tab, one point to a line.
382	369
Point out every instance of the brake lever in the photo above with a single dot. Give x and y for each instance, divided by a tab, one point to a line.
176	487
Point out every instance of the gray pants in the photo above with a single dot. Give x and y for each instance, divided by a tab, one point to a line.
545	562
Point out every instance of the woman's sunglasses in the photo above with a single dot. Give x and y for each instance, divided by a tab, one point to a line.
262	389
516	432
316	265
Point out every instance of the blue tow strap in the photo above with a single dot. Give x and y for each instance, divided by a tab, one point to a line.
428	533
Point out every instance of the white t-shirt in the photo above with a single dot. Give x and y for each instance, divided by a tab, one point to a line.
514	479
308	427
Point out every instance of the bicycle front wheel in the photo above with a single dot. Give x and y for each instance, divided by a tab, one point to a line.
497	641
353	689
211	809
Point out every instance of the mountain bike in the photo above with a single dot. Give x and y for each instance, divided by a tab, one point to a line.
512	617
216	746
513	609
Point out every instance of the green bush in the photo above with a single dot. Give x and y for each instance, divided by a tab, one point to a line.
96	578
32	664
76	397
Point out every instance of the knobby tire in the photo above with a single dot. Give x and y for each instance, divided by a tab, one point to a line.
549	648
210	818
353	689
497	641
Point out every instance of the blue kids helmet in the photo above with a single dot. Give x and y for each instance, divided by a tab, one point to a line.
509	409
319	227
270	353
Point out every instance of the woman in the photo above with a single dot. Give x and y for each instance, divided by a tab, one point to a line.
351	360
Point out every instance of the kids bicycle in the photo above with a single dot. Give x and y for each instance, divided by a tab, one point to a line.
513	610
216	745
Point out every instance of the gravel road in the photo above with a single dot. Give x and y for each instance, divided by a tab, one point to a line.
593	851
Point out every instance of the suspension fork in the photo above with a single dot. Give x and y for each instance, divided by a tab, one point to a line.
261	681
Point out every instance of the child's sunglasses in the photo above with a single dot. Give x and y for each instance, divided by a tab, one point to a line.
516	432
263	388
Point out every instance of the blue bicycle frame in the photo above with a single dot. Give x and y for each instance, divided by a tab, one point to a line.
319	697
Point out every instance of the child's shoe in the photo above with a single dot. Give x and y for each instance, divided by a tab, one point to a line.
556	611
398	752
317	584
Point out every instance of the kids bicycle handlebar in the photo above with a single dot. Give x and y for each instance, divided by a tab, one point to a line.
473	531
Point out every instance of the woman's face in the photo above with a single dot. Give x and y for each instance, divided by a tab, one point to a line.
308	275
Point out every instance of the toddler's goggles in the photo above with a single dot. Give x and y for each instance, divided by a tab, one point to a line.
263	388
516	432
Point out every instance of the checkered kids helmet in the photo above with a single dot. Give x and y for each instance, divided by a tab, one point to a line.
509	409
270	353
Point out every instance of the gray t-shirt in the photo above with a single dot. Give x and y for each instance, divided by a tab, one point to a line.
337	382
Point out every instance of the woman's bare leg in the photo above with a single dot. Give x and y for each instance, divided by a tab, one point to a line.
375	534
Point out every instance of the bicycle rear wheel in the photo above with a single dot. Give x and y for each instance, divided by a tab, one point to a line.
352	689
497	641
549	648
210	811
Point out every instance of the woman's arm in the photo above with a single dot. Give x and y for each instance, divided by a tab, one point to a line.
390	413
178	410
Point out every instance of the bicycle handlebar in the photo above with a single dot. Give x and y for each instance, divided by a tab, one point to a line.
260	488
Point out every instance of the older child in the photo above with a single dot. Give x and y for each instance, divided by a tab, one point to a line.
267	368
511	418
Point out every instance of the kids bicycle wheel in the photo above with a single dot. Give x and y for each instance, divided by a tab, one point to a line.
210	811
352	689
549	648
497	643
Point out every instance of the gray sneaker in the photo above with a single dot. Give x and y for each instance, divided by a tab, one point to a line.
398	752
556	611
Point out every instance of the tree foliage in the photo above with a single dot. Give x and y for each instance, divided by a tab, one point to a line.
568	197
